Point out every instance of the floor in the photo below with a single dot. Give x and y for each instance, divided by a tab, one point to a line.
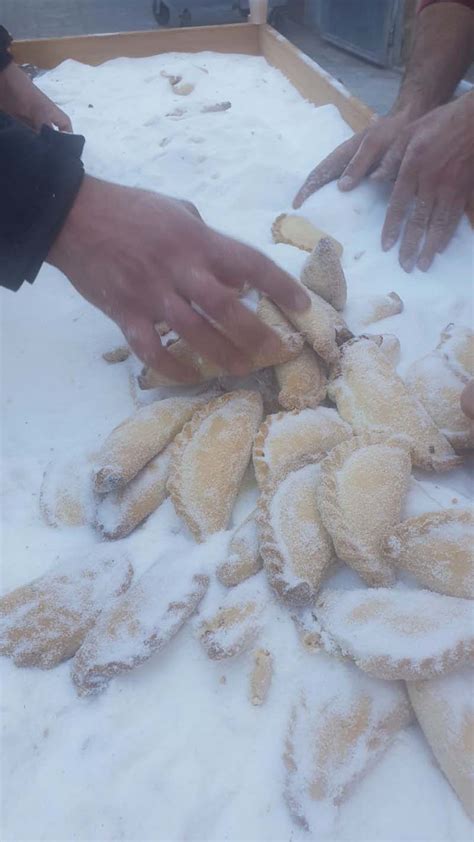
43	18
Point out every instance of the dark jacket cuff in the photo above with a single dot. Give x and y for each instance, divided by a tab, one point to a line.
40	176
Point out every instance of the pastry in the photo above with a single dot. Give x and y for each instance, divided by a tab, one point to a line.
362	486
322	327
209	459
405	634
132	629
339	727
302	381
295	547
243	556
290	346
120	512
289	439
370	395
138	439
117	355
323	273
66	497
44	622
378	307
437	381
295	230
444	708
261	676
234	626
437	549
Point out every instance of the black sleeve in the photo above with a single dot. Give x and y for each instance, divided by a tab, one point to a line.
5	42
40	176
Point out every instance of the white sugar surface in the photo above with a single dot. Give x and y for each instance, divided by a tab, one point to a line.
174	750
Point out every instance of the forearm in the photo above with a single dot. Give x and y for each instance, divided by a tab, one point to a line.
442	52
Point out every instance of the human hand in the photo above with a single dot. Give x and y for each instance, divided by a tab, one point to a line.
23	100
432	164
355	158
142	258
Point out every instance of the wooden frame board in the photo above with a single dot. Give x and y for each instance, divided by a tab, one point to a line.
245	38
308	78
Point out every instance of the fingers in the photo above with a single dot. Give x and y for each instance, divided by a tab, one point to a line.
202	336
329	169
61	120
415	228
391	161
443	223
189	206
235	263
145	343
402	195
367	155
240	325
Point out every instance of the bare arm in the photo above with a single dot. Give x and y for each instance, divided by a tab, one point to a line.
442	52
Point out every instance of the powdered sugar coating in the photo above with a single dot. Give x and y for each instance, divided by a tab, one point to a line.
243	558
339	727
360	495
119	513
295	547
138	439
437	549
406	634
370	395
233	627
44	622
139	624
444	708
209	459
288	439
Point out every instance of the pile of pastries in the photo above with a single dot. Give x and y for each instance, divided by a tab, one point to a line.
333	466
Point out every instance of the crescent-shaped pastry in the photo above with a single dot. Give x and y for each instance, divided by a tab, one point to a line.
438	385
295	230
362	487
288	440
243	557
120	512
66	497
132	629
234	626
370	395
261	676
389	344
339	727
295	547
323	273
291	344
322	327
437	549
138	439
44	622
444	708
378	307
457	347
209	459
405	634
272	316
302	381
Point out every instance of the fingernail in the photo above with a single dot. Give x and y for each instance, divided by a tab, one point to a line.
388	243
345	182
407	264
423	264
